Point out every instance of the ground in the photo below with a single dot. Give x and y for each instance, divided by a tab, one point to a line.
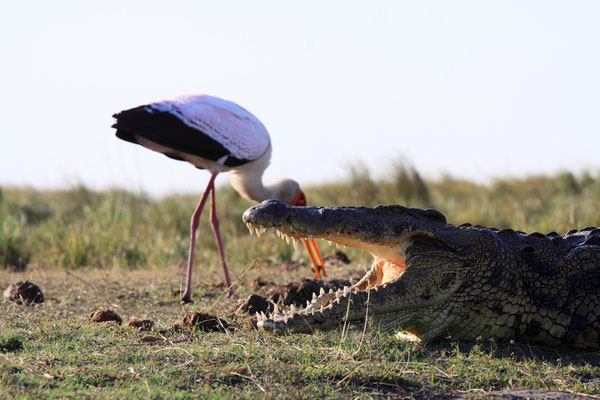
52	350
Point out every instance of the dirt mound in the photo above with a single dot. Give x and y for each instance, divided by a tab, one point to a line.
141	324
105	315
338	257
253	304
204	322
24	292
298	292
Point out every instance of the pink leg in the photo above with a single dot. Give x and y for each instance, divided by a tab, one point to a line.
215	225
187	295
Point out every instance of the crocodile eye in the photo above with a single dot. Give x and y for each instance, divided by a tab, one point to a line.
435	215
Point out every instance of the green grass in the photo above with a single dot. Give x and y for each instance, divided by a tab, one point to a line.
90	249
52	351
81	227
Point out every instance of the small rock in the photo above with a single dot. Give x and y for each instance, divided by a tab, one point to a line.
141	324
204	322
105	315
24	292
253	304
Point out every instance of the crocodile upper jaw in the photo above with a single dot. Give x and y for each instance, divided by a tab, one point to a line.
388	256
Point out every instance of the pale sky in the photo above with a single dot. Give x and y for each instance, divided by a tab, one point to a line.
477	89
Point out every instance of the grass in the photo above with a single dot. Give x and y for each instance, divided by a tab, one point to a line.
81	227
52	351
126	251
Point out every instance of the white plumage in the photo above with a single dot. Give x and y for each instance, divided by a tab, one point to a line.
223	121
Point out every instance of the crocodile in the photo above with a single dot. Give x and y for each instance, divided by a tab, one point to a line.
430	279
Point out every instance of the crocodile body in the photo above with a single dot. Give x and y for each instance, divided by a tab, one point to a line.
432	279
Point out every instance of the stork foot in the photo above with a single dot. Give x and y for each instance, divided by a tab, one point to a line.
186	299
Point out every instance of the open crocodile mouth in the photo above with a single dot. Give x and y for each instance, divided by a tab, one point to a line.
388	266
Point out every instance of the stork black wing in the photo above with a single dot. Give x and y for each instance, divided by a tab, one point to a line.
168	130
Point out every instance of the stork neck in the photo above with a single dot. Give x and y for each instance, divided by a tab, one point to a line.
247	179
248	183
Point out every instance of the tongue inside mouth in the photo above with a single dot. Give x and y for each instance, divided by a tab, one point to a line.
381	272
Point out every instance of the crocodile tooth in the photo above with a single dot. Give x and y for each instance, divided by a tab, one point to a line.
337	245
337	294
295	242
263	316
292	309
330	290
321	292
314	296
312	311
275	309
330	242
287	239
249	228
307	303
257	315
309	237
258	232
261	227
346	290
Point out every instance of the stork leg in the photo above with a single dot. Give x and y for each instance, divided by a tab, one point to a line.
187	294
215	225
307	245
319	258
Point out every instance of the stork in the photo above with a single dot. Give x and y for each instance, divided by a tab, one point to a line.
219	136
